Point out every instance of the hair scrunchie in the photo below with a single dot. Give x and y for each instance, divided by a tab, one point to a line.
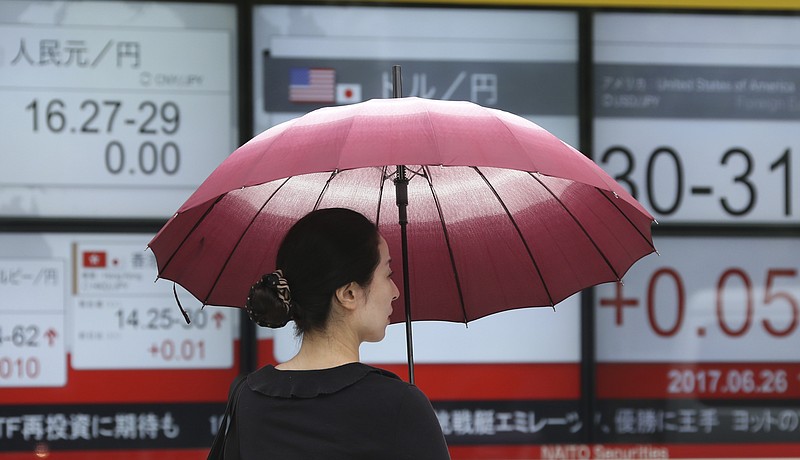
278	284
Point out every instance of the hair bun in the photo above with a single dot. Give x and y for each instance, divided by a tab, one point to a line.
270	303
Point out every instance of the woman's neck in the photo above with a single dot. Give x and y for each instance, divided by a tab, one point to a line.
322	351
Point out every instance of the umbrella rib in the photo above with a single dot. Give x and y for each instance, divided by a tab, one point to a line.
649	243
241	237
194	227
324	189
577	222
380	197
447	241
519	232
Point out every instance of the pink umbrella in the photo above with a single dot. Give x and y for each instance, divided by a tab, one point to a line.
501	214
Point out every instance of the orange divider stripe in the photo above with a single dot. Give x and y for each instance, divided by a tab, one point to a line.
761	381
518	381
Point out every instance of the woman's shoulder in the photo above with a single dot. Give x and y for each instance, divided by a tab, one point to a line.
385	379
394	388
383	374
416	431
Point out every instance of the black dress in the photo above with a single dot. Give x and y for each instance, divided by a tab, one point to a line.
353	411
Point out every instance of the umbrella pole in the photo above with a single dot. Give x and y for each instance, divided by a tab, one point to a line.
401	191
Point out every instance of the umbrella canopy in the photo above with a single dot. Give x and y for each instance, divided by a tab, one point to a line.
501	213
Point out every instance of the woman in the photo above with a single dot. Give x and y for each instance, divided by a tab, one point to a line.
334	281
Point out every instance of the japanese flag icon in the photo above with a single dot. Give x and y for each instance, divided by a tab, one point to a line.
348	93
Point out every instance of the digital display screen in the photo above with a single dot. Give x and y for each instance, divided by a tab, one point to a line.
697	114
699	347
93	297
107	121
713	343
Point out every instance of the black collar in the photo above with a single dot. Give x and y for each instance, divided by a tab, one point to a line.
270	381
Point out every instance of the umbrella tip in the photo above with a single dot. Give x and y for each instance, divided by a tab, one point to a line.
185	315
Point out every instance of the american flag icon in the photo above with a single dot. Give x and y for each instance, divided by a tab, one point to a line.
308	84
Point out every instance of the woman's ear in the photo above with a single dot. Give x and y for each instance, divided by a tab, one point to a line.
347	295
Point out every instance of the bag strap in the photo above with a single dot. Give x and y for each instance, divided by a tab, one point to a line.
217	451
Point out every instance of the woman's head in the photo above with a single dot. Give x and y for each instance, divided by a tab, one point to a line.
322	252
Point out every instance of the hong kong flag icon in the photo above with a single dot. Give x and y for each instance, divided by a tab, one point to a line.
94	259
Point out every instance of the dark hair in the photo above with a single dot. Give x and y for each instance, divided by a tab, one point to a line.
323	251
